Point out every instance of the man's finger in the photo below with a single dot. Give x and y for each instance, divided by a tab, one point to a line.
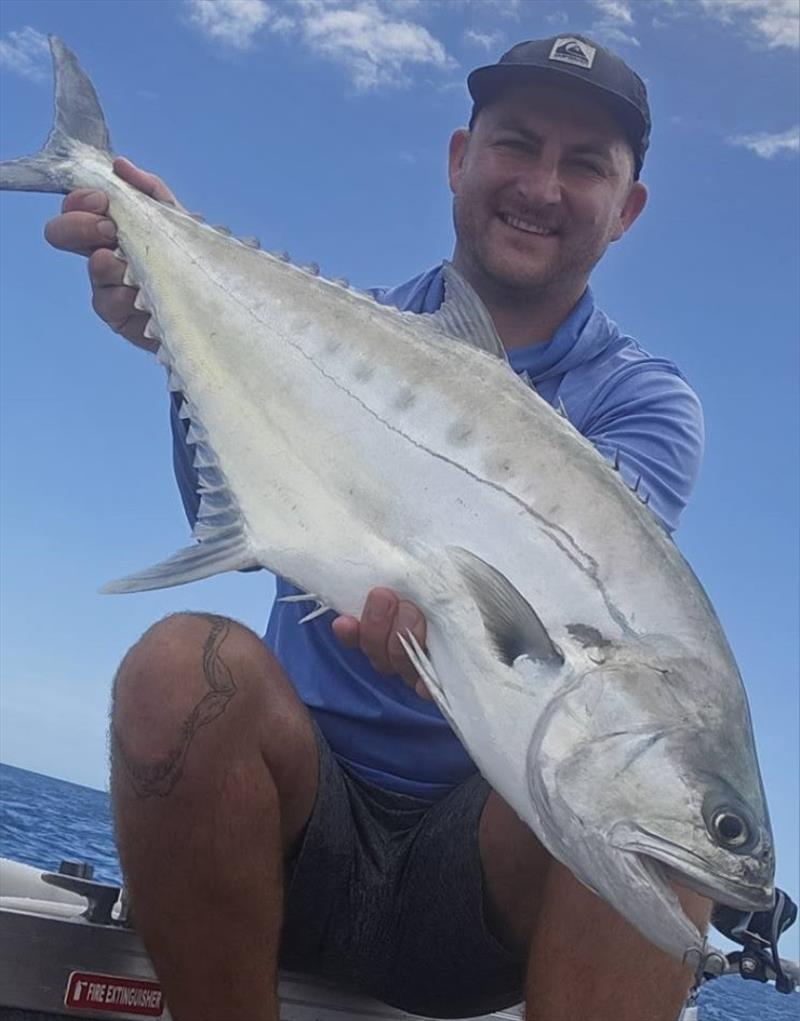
85	200
422	690
81	233
133	330
345	630
115	307
150	184
377	620
105	269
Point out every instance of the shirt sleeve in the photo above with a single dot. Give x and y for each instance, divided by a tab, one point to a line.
652	425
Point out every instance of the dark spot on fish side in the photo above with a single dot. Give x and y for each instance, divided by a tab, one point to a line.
405	399
364	372
588	636
496	466
460	433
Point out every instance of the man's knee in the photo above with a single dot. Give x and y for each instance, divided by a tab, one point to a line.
199	701
190	673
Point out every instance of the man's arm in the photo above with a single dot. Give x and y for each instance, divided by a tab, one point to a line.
652	426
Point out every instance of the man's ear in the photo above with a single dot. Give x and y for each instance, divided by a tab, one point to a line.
457	152
634	204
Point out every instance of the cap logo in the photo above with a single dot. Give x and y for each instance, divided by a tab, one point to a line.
573	51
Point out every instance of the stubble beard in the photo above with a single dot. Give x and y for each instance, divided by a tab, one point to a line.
505	273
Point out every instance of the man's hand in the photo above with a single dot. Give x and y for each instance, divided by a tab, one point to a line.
84	228
375	634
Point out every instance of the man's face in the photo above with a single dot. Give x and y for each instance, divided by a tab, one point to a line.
542	184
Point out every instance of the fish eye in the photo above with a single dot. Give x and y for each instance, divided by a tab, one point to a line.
730	829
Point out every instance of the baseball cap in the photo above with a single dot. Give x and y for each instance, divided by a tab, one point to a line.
580	60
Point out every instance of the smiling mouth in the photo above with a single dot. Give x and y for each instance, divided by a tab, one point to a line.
526	226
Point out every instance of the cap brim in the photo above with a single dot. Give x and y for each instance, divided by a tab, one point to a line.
486	83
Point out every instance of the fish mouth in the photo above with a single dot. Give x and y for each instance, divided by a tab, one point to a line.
670	863
663	920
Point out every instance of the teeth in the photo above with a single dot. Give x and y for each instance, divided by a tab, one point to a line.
530	228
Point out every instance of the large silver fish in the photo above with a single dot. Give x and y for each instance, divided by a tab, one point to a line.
345	445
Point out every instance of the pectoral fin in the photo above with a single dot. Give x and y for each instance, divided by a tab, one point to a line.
509	619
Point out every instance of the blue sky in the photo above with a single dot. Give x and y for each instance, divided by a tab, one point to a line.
322	127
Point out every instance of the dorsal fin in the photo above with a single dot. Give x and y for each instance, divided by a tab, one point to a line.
509	618
463	315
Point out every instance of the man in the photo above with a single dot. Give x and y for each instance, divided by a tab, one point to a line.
297	801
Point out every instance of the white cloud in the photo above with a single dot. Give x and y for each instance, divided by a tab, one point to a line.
500	8
404	6
769	145
614	34
616	18
615	10
557	18
27	53
233	22
283	23
374	48
486	40
370	39
776	22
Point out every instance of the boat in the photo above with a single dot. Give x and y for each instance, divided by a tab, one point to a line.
68	949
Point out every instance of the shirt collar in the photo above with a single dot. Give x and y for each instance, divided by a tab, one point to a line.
582	334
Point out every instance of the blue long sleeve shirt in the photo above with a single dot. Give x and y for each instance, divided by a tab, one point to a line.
631	405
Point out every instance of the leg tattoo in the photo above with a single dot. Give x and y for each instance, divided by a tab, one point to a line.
160	778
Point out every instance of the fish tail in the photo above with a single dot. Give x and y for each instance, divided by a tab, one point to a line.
79	121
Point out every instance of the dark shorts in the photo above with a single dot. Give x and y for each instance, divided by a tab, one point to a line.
385	896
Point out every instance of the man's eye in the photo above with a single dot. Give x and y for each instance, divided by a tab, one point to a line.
589	166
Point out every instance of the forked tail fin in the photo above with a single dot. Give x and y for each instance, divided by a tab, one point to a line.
78	121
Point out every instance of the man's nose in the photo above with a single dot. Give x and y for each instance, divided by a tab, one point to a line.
541	184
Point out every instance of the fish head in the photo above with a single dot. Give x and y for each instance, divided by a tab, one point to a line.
643	774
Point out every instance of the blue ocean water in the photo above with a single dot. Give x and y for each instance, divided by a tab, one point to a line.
44	820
